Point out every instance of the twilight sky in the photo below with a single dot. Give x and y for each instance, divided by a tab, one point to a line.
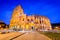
48	8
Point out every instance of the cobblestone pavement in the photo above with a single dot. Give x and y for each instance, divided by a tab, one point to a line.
32	36
8	36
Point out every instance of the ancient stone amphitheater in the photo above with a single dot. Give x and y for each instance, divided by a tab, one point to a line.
21	21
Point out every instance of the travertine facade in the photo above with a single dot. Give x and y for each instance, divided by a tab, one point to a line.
24	22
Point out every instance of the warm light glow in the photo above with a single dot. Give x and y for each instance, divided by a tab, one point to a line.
0	25
26	22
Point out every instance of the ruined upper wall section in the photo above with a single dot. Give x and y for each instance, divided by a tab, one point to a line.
17	11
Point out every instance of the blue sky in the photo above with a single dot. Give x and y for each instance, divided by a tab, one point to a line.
48	8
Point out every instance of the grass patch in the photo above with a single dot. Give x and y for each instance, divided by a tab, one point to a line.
53	36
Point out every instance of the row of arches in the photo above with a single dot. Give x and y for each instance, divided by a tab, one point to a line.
24	22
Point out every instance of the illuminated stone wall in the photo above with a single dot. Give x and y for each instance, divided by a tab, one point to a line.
21	21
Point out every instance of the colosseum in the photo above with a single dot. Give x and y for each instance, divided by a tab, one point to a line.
21	21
